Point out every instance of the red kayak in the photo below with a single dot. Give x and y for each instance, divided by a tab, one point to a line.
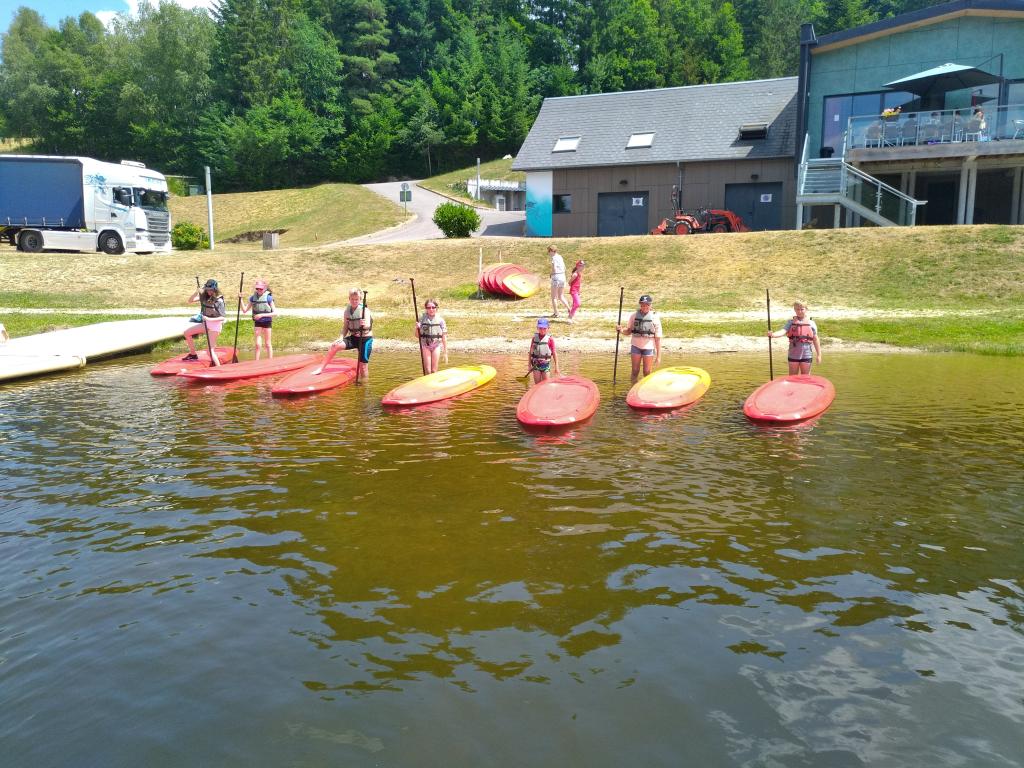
558	402
337	373
250	369
789	399
179	364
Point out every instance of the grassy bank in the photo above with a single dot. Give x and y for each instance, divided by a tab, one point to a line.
939	288
453	184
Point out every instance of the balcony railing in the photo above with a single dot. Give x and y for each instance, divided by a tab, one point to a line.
948	126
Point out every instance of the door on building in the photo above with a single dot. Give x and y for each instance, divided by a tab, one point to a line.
759	204
622	213
941	190
499	202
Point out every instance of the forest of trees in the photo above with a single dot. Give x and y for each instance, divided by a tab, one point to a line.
280	93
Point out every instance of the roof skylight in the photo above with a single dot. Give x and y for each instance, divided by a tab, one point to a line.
566	144
640	140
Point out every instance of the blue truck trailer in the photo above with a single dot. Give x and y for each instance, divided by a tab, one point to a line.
81	204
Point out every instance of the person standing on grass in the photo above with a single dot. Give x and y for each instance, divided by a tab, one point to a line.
432	332
542	353
645	345
557	281
208	322
803	340
574	287
356	333
263	310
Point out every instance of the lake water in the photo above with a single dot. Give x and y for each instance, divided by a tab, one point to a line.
200	575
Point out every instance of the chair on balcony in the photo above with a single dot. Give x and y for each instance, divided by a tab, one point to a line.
975	129
891	136
946	129
1018	126
927	133
908	131
873	135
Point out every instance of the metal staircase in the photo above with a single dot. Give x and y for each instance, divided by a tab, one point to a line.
833	181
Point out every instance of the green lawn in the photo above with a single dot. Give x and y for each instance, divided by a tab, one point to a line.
454	184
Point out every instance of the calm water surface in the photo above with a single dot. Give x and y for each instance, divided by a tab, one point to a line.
205	576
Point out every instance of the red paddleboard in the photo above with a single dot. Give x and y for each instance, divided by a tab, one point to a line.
179	364
337	373
558	402
250	369
499	275
790	398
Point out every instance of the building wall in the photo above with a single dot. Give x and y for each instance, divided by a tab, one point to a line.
703	185
864	67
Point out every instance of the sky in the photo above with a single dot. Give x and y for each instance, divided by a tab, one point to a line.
55	10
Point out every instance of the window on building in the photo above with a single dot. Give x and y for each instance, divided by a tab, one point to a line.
566	144
839	109
640	140
750	131
563	203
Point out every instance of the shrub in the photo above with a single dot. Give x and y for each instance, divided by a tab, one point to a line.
186	236
456	220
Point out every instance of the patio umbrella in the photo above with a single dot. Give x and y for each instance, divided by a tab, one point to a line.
932	83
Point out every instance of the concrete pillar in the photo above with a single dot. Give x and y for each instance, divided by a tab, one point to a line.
1015	215
837	212
973	183
799	216
961	208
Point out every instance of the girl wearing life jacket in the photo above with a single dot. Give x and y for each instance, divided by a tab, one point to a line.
645	345
803	340
209	320
356	333
542	353
574	287
432	332
261	302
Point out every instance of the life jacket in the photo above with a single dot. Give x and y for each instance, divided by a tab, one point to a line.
540	352
353	322
214	308
800	331
261	304
643	325
430	330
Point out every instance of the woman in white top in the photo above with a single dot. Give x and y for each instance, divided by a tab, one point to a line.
557	281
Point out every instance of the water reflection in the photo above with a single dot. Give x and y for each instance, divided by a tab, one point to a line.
818	590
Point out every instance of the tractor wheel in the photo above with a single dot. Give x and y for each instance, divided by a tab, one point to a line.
683	228
720	227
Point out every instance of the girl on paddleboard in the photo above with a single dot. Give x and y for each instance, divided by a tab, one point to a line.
209	321
356	333
261	302
574	287
803	340
542	353
645	345
432	332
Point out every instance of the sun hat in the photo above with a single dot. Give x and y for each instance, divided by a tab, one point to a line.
542	322
260	284
211	283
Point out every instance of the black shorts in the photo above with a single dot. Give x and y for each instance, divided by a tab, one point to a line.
365	345
263	322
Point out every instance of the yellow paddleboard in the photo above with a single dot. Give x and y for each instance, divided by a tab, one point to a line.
440	386
669	388
523	285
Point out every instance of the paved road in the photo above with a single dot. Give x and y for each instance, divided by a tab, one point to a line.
423	204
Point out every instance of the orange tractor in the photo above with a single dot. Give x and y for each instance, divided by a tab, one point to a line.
685	222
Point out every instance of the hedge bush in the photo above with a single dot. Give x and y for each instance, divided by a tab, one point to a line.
186	236
456	220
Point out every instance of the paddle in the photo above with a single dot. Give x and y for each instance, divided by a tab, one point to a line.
416	316
771	365
618	335
205	328
238	315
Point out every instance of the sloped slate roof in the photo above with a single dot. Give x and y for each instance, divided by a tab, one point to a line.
692	123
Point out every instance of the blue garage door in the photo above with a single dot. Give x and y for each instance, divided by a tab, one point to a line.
622	213
759	205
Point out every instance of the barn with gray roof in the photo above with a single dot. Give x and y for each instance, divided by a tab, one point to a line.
611	163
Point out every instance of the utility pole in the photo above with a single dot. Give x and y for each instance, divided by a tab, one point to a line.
209	207
478	196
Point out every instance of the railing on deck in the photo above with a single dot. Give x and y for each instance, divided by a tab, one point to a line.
949	126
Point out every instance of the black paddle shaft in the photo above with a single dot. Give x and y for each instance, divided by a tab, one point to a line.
771	364
416	317
206	328
615	368
238	317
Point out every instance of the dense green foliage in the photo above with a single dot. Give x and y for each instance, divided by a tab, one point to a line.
186	236
276	93
456	220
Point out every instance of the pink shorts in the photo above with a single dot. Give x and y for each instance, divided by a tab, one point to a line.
213	325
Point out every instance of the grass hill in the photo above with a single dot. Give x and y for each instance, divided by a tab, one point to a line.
312	215
453	184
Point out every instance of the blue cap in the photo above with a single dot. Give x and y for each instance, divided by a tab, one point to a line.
542	322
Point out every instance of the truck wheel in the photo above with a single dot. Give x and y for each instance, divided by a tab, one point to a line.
683	228
30	241
110	242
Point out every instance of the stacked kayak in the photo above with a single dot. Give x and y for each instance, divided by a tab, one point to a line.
558	402
179	364
440	386
671	387
250	369
789	399
509	280
337	373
